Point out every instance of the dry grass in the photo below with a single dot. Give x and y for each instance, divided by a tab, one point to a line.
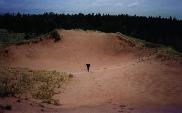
41	84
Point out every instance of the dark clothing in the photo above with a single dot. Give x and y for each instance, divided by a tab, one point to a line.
88	67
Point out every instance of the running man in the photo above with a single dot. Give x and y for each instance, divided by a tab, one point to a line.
88	67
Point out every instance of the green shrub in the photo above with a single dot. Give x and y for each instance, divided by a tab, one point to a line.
55	35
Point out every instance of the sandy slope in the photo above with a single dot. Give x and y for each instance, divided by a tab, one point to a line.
76	49
123	78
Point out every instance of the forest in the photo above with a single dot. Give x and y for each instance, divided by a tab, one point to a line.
166	31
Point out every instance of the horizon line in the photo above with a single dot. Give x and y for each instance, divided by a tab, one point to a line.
72	13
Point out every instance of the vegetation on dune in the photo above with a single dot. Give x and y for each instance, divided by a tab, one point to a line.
138	42
10	37
55	35
17	38
162	49
22	38
40	84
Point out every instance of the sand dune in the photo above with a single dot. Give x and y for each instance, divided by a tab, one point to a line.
123	78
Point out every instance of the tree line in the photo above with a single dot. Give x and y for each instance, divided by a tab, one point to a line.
167	31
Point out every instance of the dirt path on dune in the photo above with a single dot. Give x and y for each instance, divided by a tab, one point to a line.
123	78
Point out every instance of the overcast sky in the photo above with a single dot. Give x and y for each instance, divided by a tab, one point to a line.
138	7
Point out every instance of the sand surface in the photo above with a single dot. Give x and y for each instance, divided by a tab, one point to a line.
123	78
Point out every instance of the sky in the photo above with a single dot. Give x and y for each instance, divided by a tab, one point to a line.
164	8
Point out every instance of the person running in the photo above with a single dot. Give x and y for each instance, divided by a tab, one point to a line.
88	67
